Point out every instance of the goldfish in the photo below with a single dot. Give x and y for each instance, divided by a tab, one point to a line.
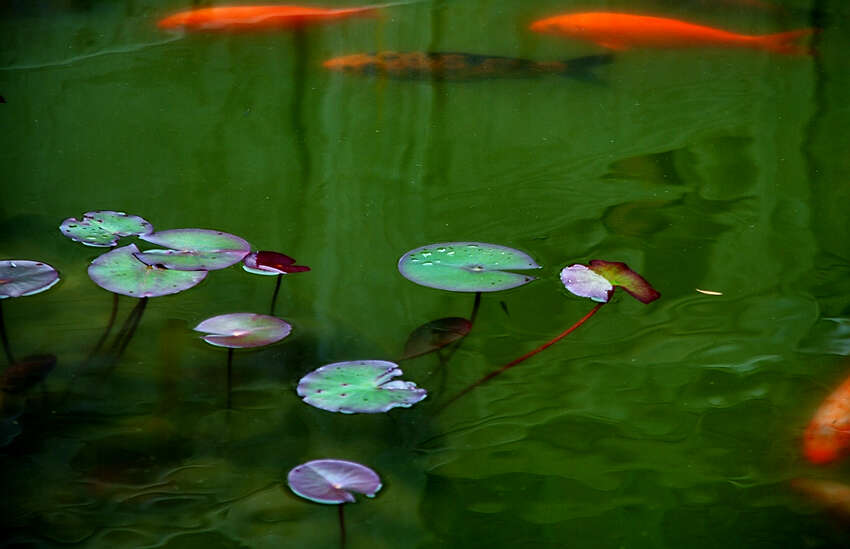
224	18
834	496
457	66
827	437
622	31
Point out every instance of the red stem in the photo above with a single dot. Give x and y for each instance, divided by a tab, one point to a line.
524	357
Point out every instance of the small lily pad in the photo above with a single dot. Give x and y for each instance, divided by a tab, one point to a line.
119	271
103	228
333	480
271	263
22	277
619	274
466	266
584	282
435	335
243	330
194	249
359	386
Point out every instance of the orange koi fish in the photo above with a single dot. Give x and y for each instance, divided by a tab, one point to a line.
827	436
226	18
622	31
458	66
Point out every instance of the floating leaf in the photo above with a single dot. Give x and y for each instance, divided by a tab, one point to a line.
103	228
466	266
194	249
30	371
21	277
243	330
271	263
619	274
359	386
584	282
119	271
333	480
435	335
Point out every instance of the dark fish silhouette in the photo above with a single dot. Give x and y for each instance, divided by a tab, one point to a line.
459	66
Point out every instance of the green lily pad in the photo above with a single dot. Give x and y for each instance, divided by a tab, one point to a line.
358	387
243	330
466	266
21	277
194	249
119	271
103	228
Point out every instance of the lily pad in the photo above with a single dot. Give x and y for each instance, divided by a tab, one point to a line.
103	228
194	249
584	282
22	277
359	386
333	480
243	330
619	274
466	266
119	271
435	335
271	263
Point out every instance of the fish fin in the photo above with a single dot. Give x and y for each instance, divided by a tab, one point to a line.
613	45
581	67
785	42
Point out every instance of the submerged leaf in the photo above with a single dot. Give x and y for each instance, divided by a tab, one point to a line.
103	228
119	271
333	480
22	277
435	335
358	386
243	330
271	263
466	266
22	375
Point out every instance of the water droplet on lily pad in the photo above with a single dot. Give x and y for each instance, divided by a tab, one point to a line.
22	277
194	249
359	386
103	228
119	271
333	481
243	330
467	267
271	263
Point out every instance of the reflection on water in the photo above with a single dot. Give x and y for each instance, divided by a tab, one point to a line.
677	423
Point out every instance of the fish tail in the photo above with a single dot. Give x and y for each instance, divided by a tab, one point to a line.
786	42
581	67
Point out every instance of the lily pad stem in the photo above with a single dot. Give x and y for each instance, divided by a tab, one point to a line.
341	526
6	347
109	325
274	295
127	330
524	357
229	373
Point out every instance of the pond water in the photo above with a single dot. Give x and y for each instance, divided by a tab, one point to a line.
672	424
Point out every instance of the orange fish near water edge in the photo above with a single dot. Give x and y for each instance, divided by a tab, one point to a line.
622	31
827	436
225	18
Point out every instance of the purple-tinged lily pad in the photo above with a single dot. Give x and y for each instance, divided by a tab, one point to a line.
243	330
103	228
584	282
271	263
358	386
333	480
194	249
21	277
119	271
466	266
619	274
435	335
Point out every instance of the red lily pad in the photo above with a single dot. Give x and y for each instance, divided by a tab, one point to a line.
435	335
243	330
598	280
22	375
103	228
119	271
333	481
271	263
22	277
194	249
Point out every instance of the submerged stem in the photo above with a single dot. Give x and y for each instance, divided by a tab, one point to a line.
524	357
109	325
3	337
133	321
229	373
341	526
274	295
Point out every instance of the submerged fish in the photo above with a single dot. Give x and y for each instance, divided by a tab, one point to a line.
621	31
458	66
220	18
834	496
827	436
